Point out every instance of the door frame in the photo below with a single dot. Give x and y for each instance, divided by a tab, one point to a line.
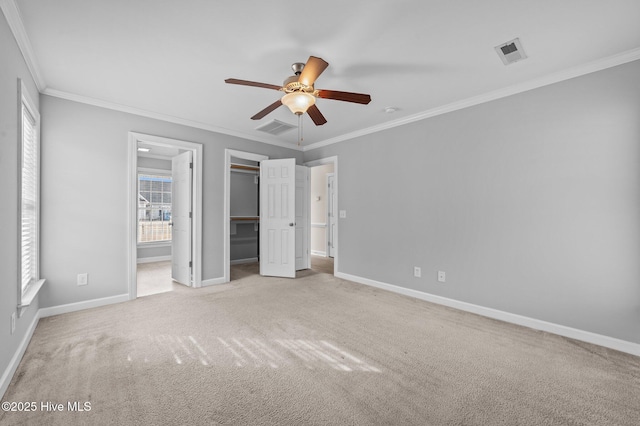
320	162
226	217
132	205
333	217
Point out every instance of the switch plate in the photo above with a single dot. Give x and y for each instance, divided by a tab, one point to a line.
13	322
343	214
442	277
417	271
83	279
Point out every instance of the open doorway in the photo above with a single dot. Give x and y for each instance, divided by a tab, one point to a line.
241	220
324	214
165	214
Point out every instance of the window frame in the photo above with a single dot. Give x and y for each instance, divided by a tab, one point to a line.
28	292
156	172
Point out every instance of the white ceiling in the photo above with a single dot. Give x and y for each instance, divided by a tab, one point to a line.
169	59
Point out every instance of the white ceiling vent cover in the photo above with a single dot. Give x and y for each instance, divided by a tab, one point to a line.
511	51
275	127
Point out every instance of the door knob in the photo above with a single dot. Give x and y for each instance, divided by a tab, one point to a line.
292	224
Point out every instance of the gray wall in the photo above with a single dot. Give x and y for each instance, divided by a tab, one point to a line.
84	164
530	203
12	67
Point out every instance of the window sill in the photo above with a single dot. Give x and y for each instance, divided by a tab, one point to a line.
30	293
155	244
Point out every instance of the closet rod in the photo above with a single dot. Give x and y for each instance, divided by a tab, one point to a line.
245	167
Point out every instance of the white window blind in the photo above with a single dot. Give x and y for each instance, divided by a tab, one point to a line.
30	196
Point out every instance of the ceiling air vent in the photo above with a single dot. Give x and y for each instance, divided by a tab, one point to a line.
511	51
275	127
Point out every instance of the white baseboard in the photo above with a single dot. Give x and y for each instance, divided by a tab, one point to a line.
561	330
213	281
319	253
78	306
153	259
5	380
241	261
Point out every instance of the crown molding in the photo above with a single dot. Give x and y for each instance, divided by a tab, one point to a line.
599	65
163	117
14	19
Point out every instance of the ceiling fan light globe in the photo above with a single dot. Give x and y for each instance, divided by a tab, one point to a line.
298	102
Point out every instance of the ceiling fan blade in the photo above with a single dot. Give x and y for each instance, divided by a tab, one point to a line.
252	83
316	115
267	110
312	69
358	98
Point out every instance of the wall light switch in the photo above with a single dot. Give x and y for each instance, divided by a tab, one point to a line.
343	214
417	271
83	279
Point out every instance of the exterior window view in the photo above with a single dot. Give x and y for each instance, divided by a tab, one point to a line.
154	208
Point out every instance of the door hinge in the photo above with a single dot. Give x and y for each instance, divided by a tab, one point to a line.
190	215
190	264
191	165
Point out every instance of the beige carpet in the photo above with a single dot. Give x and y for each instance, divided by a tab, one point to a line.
313	351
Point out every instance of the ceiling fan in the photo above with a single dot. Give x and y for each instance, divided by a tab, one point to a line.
300	95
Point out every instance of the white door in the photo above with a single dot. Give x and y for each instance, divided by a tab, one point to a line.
303	224
332	212
181	218
277	217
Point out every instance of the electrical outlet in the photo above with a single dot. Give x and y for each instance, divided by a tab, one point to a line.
343	214
417	272
442	277
83	279
13	322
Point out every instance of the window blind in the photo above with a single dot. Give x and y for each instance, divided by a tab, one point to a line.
29	233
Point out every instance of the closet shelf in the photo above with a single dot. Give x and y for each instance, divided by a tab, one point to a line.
257	218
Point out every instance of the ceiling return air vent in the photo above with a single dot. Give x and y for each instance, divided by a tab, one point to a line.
275	127
511	51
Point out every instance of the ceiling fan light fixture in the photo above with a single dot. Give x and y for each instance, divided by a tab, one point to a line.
298	102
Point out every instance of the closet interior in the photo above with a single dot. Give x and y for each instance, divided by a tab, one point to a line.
244	211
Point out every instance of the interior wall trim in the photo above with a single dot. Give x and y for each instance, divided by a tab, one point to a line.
14	19
561	330
12	14
8	373
164	117
599	65
79	306
153	259
213	281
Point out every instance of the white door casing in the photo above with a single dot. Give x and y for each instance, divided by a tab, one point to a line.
303	220
331	214
277	217
181	218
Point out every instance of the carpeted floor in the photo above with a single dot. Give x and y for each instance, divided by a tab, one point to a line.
316	350
154	278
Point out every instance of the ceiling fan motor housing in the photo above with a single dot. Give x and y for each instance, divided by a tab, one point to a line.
291	84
